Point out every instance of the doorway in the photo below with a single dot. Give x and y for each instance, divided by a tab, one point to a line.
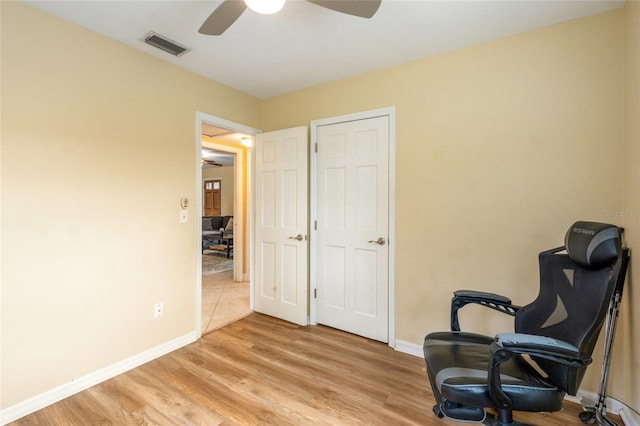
289	150
224	300
217	135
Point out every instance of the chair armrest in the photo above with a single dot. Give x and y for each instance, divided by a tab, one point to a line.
544	347
490	300
508	344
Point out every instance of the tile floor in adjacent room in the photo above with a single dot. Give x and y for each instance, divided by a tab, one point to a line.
223	300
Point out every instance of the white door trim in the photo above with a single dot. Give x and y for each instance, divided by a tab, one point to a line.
240	210
391	113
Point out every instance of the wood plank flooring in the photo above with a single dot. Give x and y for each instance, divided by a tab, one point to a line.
261	370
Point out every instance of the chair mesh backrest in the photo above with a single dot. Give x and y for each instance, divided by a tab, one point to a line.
574	296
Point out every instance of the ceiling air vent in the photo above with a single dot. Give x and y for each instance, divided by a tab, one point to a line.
161	42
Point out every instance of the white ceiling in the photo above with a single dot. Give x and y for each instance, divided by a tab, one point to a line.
305	45
221	158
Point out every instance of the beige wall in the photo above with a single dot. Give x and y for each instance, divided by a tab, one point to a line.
227	175
500	147
627	376
98	147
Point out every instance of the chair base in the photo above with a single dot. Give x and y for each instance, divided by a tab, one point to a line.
593	416
470	414
492	420
463	413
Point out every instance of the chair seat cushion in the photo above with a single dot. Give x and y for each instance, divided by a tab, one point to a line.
458	364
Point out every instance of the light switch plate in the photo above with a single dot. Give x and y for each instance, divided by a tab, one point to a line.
184	218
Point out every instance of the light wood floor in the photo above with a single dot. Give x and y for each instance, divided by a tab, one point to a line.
261	370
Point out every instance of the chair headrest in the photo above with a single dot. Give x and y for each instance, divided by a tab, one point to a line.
593	244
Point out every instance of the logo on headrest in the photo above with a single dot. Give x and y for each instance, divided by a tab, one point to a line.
583	231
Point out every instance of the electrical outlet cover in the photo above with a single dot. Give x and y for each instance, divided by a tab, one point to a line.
158	310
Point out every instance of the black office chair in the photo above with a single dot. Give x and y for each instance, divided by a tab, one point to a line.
558	331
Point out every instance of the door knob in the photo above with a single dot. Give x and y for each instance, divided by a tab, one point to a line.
298	237
380	241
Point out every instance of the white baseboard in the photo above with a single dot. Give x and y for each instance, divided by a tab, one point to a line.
409	348
614	406
61	392
629	417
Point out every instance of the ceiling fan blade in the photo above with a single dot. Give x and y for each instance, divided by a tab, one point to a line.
361	8
222	17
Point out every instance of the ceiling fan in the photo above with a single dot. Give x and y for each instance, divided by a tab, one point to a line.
230	10
210	163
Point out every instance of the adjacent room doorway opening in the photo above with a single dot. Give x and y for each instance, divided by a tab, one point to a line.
224	299
219	135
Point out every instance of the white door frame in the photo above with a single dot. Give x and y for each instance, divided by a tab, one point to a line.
391	113
240	211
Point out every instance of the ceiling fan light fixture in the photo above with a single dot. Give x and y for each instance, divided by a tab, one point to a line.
266	7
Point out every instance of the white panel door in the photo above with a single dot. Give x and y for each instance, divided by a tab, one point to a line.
352	207
280	270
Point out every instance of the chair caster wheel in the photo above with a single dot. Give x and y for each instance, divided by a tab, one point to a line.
437	411
588	417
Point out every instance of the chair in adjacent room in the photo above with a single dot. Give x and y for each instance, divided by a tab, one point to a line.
532	368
